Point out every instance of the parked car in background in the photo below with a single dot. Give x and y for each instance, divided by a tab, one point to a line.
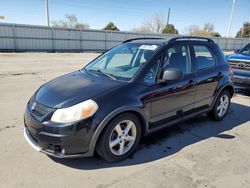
240	62
132	90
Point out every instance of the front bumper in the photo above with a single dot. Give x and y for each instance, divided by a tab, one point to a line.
58	140
52	153
242	79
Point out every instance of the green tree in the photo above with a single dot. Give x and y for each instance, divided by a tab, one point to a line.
111	26
70	22
216	34
170	29
244	31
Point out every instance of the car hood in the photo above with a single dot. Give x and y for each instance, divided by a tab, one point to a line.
238	57
73	88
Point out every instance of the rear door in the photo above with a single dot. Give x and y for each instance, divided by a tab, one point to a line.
208	75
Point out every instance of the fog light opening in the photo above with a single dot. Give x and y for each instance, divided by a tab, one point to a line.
63	151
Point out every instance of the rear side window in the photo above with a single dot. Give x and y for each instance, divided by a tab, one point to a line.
204	57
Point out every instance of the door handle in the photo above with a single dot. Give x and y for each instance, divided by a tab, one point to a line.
191	82
219	76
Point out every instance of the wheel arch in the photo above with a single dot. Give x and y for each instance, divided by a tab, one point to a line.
227	86
135	110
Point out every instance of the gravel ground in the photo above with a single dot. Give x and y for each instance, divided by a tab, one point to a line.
196	153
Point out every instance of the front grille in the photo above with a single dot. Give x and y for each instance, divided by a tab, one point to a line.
38	108
240	65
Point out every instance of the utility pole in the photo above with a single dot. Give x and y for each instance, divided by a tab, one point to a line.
231	19
47	12
168	16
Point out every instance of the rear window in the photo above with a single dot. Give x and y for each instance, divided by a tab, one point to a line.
204	57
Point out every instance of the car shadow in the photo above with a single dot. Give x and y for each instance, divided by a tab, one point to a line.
171	140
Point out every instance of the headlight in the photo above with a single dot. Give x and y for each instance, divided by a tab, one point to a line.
77	112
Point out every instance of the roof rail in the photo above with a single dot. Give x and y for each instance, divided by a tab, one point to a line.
129	40
189	38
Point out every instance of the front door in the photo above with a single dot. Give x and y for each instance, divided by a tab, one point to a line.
173	97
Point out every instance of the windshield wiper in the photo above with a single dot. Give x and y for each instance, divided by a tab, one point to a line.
104	73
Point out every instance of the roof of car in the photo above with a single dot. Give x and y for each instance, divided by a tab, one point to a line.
167	40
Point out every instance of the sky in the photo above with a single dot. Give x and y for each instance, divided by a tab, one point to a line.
129	14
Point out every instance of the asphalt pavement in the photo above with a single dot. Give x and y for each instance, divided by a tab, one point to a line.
196	153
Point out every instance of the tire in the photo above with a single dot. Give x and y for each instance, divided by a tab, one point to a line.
216	114
116	144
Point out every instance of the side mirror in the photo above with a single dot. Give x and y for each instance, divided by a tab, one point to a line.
236	51
172	75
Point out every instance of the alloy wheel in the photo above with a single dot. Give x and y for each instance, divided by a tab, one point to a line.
222	105
122	137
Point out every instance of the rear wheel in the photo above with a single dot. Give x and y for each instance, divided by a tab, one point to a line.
221	106
120	138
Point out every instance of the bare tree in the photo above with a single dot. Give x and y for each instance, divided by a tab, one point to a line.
192	30
155	24
70	22
141	29
207	29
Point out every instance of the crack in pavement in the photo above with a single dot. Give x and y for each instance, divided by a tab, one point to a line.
23	73
18	74
40	78
7	127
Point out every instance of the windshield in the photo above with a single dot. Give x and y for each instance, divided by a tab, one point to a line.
123	61
246	50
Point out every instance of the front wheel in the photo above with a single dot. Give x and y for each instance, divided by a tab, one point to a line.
221	106
120	138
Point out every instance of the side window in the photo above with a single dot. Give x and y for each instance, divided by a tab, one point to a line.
178	57
204	57
150	77
246	50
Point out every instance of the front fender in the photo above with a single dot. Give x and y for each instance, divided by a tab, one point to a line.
109	117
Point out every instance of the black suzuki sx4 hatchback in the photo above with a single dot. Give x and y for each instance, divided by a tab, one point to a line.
132	90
